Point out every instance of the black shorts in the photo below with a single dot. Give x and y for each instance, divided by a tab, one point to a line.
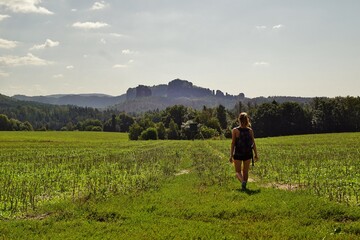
242	157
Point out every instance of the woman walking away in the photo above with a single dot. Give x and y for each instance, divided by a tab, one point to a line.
242	147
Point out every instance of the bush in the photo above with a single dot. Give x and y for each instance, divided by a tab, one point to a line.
15	124
89	124
149	134
228	133
214	124
207	132
96	129
26	126
135	131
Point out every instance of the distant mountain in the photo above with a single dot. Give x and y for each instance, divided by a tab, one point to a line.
81	100
6	101
182	92
144	104
144	98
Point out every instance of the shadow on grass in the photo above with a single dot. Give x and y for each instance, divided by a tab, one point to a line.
250	191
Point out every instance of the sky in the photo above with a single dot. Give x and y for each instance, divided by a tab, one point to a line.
265	48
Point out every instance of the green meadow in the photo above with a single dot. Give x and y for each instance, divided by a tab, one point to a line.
95	185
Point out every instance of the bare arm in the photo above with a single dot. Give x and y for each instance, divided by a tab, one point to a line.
254	145
232	145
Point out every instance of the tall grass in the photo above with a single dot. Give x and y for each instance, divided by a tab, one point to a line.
328	165
49	169
37	168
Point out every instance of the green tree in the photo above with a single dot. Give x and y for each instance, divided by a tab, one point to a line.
173	132
221	116
14	125
322	119
145	123
4	123
161	130
267	120
176	113
204	116
113	123
214	124
189	130
125	121
293	119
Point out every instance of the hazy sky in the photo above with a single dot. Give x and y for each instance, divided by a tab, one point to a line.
261	48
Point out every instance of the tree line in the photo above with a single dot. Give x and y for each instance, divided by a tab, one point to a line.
321	115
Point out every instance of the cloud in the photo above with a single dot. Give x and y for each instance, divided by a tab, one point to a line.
28	60
278	26
99	5
4	74
260	27
70	67
2	17
120	66
261	63
48	44
58	76
128	52
25	6
103	41
7	44
90	25
131	61
116	35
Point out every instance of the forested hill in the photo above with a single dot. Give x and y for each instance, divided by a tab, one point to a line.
320	115
46	116
146	98
81	100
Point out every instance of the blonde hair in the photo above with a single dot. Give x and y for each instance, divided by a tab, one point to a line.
244	120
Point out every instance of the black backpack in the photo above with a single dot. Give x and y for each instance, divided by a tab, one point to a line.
243	144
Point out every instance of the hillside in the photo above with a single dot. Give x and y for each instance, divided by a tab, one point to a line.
81	100
11	102
47	116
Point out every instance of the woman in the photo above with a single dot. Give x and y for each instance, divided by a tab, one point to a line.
242	147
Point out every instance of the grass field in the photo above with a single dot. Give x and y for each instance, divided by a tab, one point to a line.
80	185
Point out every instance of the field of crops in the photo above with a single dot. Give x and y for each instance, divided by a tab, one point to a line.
327	165
37	167
40	167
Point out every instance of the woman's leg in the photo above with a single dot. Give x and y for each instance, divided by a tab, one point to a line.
238	170
246	170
